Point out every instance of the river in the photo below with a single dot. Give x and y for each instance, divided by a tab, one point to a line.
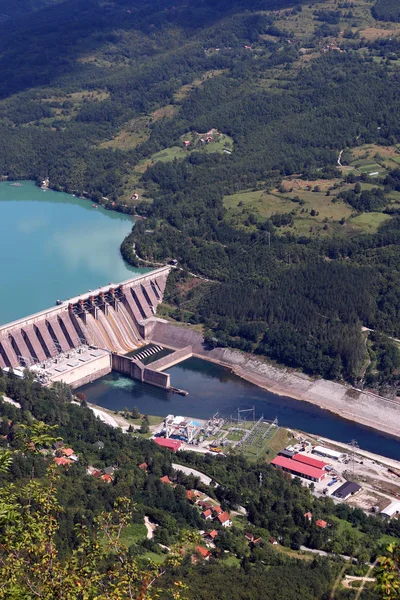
55	246
214	388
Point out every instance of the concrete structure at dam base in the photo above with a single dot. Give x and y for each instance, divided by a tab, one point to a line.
88	336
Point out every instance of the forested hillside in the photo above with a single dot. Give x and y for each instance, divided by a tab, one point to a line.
386	10
17	8
65	530
258	141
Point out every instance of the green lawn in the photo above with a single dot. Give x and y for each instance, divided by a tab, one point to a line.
232	561
221	143
370	222
156	558
136	532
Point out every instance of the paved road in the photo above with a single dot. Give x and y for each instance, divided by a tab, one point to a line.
9	401
188	471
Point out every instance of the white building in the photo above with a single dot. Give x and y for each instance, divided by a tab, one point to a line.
322	451
391	511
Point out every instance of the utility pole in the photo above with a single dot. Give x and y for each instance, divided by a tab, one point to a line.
354	445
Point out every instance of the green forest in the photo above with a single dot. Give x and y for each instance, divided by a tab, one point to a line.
258	142
78	501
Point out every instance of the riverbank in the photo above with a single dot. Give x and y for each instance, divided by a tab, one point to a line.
365	408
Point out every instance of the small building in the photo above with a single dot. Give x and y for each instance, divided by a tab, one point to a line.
250	537
217	510
225	519
186	143
98	445
166	480
203	552
144	466
287	453
322	451
321	523
298	469
109	471
349	488
173	445
273	541
67	452
204	504
107	478
61	461
308	516
309	460
207	515
192	495
211	535
391	511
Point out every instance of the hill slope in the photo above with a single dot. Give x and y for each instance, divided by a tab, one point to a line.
258	138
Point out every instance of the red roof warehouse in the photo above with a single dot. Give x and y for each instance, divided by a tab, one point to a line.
167	443
309	460
299	469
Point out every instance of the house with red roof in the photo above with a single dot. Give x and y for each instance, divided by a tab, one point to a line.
166	479
207	515
308	515
144	466
225	519
204	553
192	495
217	510
107	478
61	461
250	537
321	523
211	535
67	452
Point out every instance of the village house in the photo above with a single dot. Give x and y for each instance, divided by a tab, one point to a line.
321	523
207	515
211	535
61	461
308	515
203	552
252	539
144	466
166	479
225	519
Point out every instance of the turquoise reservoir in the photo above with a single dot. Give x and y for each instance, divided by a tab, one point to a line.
55	246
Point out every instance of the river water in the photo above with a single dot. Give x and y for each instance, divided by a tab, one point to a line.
54	246
214	388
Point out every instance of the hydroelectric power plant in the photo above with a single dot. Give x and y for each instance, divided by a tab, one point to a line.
88	336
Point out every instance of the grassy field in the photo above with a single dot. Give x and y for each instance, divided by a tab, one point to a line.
314	206
370	222
134	533
220	144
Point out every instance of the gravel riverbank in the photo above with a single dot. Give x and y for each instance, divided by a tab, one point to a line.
349	403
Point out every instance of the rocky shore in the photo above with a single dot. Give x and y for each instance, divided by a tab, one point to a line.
362	407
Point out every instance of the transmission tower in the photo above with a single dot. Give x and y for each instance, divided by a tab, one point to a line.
354	446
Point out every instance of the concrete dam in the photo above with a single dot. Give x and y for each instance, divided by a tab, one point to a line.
85	337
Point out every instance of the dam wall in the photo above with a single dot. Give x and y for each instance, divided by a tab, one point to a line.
135	369
117	318
172	359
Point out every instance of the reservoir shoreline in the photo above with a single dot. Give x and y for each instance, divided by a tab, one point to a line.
351	404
